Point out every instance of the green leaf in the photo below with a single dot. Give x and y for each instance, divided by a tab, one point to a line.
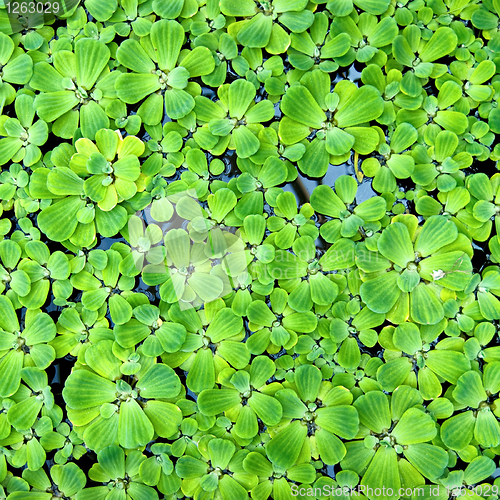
202	373
429	460
437	232
23	414
364	105
244	8
8	317
63	181
245	142
52	105
283	450
8	148
170	10
84	389
257	464
457	431
381	294
448	364
225	324
178	103
102	360
40	329
308	380
267	408
160	381
59	221
414	427
246	424
220	452
393	373
230	488
404	136
339	420
338	142
167	37
395	244
372	209
241	94
425	307
442	42
132	87
325	201
383	473
479	469
199	62
101	12
134	428
375	7
316	159
91	58
453	121
323	290
112	461
35	455
165	417
487	430
308	113
171	336
373	409
131	54
190	468
469	390
341	255
214	401
256	32
407	338
330	447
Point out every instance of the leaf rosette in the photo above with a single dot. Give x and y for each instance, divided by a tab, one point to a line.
315	416
213	342
107	407
267	22
475	393
212	471
427	365
394	442
120	474
334	117
244	397
410	265
74	89
160	72
233	121
23	347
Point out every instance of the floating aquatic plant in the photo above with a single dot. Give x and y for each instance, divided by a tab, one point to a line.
250	249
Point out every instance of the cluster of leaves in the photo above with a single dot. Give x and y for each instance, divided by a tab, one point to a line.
181	318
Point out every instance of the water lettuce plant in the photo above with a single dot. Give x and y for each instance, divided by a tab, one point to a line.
423	262
107	409
74	89
249	250
398	433
88	188
159	66
337	117
22	347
